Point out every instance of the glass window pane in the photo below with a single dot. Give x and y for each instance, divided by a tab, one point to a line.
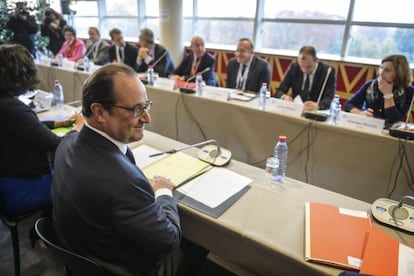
227	8
315	9
212	30
188	30
397	11
121	7
85	8
128	26
152	8
82	24
377	42
292	36
188	8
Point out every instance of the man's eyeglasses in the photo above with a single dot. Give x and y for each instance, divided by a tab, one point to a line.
137	110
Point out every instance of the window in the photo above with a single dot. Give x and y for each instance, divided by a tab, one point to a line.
377	28
121	8
292	36
85	16
377	42
305	9
397	11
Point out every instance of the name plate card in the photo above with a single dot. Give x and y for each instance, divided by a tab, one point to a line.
217	93
164	83
281	106
360	122
46	61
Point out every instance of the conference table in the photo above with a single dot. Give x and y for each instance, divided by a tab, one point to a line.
263	232
348	161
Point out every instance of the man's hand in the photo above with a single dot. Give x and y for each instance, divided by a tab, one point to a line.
159	182
310	106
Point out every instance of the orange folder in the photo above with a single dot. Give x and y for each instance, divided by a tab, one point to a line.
335	236
381	254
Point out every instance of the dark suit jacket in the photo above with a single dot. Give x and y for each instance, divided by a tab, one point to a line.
164	67
207	60
102	54
104	207
259	72
131	54
24	140
294	80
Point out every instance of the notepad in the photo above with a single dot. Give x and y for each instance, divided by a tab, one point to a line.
335	236
178	167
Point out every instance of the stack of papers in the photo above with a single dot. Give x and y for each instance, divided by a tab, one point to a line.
202	187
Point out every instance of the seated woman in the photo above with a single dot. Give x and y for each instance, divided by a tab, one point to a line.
25	142
389	95
73	48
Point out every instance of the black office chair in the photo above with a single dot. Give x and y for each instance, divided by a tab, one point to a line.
75	264
11	222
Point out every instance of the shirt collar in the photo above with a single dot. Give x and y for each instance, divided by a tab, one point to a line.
122	147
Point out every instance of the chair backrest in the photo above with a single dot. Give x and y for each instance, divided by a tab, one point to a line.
78	265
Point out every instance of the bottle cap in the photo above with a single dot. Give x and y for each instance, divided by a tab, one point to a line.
282	138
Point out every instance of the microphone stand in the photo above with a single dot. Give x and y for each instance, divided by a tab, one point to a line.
195	75
212	141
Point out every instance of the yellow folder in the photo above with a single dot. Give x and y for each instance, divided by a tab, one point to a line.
178	167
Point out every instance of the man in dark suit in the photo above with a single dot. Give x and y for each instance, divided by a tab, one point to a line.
306	78
247	71
120	51
153	54
103	205
196	62
96	48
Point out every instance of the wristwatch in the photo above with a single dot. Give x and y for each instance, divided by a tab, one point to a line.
388	96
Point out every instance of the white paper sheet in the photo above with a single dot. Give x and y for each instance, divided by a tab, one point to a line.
215	186
405	260
142	153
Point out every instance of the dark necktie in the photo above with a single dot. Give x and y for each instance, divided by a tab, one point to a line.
306	88
130	156
243	69
121	56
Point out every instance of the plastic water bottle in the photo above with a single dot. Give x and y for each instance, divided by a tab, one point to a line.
262	96
58	98
60	60
334	110
199	84
281	152
150	76
86	64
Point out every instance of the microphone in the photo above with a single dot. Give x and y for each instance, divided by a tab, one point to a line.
186	89
212	154
159	59
195	75
317	115
395	214
404	130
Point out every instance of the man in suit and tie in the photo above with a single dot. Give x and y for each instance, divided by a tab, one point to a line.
120	51
306	78
196	62
246	71
96	48
153	54
103	205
